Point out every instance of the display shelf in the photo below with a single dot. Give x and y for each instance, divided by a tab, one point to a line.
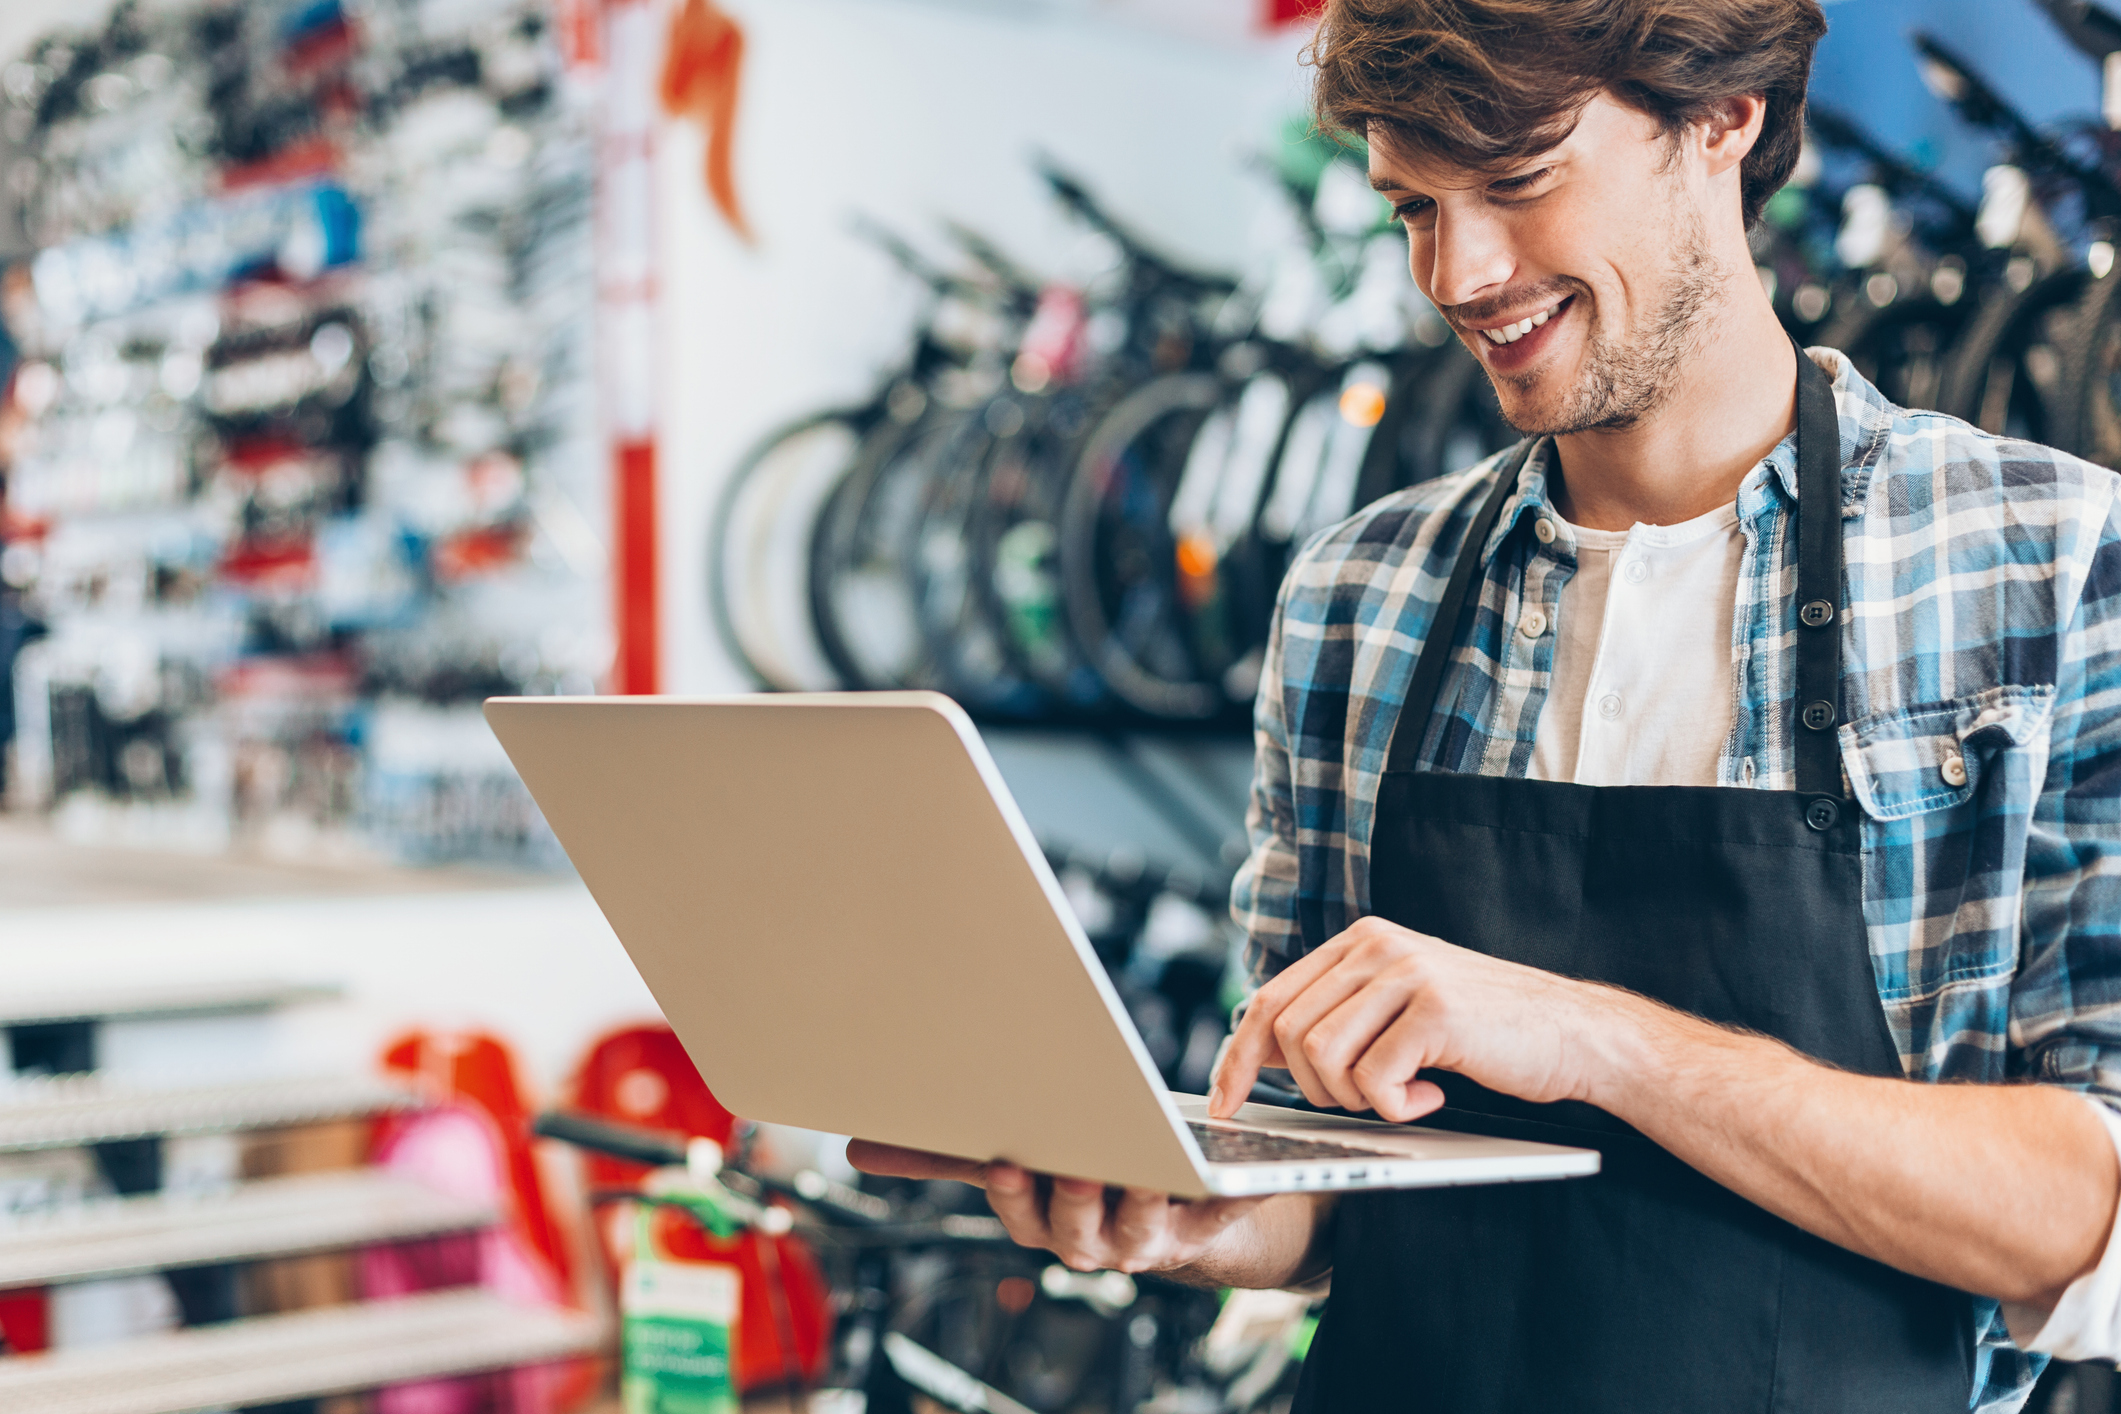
267	1359
60	1111
274	1217
156	1001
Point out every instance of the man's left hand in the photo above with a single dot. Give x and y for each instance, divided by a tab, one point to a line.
1357	1020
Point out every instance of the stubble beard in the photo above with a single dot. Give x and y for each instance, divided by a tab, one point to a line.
1621	384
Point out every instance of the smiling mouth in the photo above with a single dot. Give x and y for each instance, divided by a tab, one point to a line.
1516	329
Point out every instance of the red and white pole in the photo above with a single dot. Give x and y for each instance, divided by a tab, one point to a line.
629	346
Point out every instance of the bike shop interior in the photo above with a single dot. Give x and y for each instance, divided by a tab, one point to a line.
364	359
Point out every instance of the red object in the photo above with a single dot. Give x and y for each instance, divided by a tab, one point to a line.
313	677
579	27
15	525
477	1069
270	564
257	455
320	46
641	1075
703	64
474	552
638	669
471	1076
310	157
1285	12
24	1321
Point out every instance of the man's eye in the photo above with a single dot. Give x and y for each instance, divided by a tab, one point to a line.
1413	209
1510	186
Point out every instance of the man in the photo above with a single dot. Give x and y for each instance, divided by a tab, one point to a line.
1704	779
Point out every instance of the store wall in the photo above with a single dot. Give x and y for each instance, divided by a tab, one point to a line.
910	112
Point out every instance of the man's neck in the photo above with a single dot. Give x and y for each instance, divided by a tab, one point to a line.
1735	399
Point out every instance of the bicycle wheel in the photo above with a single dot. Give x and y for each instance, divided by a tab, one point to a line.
1318	478
758	545
1142	615
1901	348
1453	419
2090	404
1015	540
962	642
2005	375
861	598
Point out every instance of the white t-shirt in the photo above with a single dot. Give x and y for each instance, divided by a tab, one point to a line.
1642	695
1643	684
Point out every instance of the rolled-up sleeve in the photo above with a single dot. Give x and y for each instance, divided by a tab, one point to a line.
2066	998
1263	898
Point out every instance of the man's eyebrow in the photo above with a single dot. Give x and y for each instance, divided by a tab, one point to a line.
1380	182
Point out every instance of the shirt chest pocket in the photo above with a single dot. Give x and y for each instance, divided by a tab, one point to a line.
1914	760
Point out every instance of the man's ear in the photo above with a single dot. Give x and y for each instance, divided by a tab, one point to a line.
1729	132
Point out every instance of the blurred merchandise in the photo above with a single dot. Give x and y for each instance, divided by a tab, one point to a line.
308	463
182	1246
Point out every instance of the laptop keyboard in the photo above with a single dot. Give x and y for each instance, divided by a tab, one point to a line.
1249	1146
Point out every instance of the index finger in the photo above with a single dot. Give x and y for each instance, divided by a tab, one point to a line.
1253	1045
890	1161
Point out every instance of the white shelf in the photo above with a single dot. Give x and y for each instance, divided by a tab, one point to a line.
162	1000
302	1355
62	1111
275	1217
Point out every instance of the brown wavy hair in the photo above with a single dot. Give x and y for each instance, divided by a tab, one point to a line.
1484	84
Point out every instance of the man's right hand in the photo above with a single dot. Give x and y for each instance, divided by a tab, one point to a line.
1088	1226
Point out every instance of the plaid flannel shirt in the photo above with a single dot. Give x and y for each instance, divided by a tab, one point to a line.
1984	623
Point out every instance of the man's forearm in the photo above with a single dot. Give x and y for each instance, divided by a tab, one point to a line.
2007	1191
1285	1241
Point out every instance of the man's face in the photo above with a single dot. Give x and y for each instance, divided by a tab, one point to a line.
1599	243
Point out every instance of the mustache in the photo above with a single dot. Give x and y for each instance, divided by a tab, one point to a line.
1479	313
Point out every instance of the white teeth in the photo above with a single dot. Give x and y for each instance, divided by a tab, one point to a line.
1511	333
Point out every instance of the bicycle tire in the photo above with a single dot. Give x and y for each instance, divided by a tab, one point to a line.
1149	611
2091	375
1454	420
859	595
1992	377
1902	348
1016	548
964	646
764	632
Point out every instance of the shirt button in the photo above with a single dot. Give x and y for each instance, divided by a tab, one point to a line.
1544	530
1954	770
1609	706
1532	624
1636	571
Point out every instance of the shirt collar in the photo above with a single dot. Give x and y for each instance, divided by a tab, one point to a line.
1862	411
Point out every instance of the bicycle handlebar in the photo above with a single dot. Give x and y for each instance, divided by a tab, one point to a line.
1896	175
634	1143
2095	30
1076	197
662	1148
1954	80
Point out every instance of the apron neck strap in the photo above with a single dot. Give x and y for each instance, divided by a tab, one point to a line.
1420	704
1818	594
1818	583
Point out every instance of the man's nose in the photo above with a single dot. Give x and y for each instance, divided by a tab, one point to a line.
1468	256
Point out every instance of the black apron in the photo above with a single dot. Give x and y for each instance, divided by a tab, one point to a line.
1647	1288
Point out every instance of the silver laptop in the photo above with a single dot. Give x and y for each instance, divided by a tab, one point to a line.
843	915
